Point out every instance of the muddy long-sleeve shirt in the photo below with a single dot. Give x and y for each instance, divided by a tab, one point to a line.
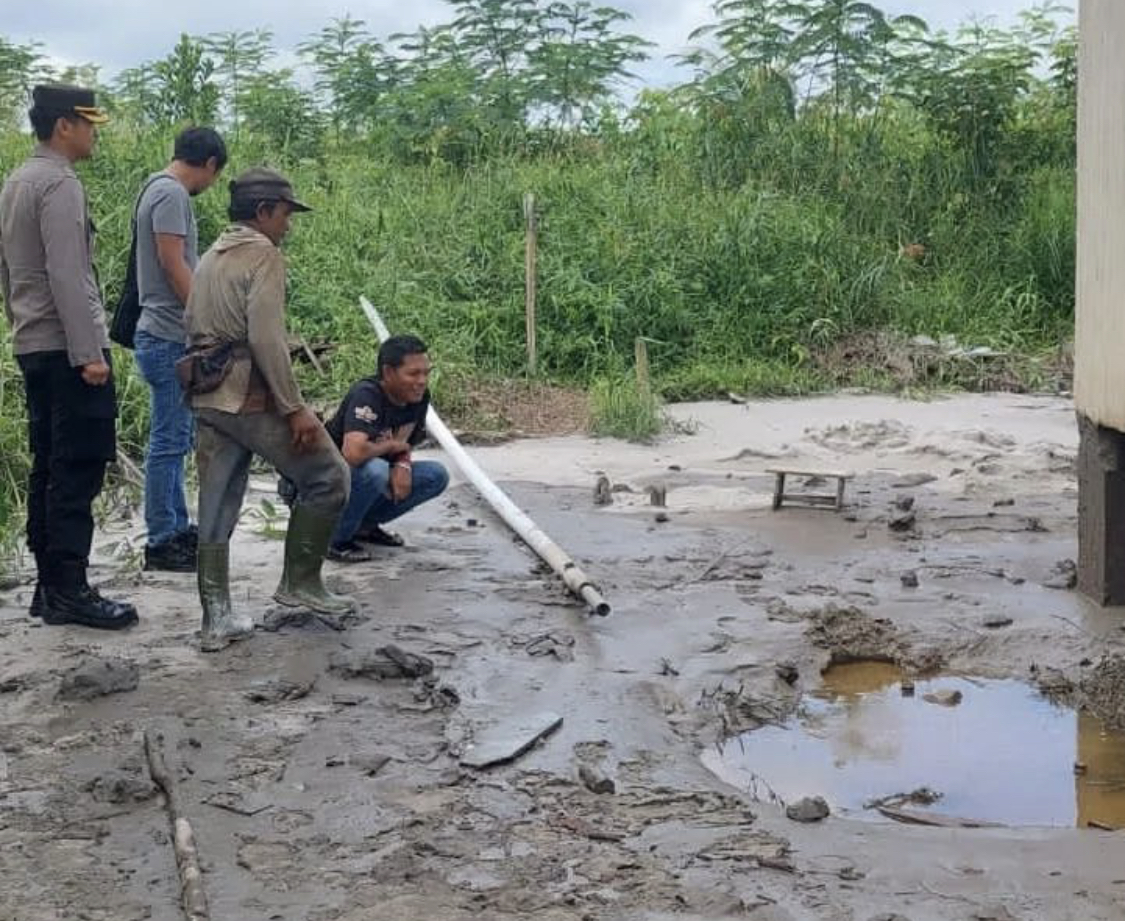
238	295
47	278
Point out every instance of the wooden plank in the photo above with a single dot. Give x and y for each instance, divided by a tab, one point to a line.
805	499
792	471
507	741
531	255
918	817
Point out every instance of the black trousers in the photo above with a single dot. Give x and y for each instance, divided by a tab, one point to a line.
72	432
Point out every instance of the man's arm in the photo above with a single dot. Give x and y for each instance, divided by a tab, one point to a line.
358	448
62	225
170	255
171	218
6	285
265	317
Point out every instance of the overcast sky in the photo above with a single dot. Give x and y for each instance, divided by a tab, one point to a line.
121	33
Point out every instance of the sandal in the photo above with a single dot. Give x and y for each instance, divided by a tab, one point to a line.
351	552
377	536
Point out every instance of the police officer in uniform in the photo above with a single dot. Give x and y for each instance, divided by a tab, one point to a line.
54	306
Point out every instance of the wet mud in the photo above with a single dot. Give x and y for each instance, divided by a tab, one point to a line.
326	766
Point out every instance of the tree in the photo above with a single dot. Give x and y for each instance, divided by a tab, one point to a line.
239	56
185	91
498	36
329	52
20	65
281	114
971	93
432	111
581	57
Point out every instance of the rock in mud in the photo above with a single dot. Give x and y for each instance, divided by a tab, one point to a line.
787	672
596	780
890	916
131	785
912	480
662	518
944	698
903	521
808	810
15	684
96	678
557	644
384	663
997	622
909	579
436	695
1063	577
369	763
904	503
278	690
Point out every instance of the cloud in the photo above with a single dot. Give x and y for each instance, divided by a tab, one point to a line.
116	34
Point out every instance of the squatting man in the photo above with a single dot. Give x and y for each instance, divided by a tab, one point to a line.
376	428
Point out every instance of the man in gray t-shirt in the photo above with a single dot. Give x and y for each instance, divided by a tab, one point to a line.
167	254
164	210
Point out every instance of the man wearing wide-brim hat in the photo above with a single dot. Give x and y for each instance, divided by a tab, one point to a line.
246	401
54	305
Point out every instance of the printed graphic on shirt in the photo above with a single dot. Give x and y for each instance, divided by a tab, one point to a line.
367	410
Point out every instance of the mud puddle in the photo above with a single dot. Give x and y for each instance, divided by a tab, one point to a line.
996	752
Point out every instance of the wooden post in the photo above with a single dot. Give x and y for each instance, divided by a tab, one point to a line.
644	384
530	257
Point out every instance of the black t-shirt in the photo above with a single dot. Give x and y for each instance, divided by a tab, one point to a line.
366	409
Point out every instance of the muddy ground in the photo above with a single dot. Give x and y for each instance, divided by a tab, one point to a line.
319	794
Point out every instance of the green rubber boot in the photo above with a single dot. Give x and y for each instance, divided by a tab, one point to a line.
305	545
221	626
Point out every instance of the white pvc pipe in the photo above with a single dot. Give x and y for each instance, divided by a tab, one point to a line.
550	552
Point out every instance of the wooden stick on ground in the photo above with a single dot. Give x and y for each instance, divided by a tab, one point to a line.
192	896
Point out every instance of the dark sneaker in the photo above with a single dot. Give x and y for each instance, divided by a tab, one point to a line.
188	539
170	556
351	552
377	536
84	606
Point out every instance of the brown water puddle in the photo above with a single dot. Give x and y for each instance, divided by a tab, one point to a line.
1003	754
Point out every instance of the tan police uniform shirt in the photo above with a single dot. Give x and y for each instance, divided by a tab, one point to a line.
47	278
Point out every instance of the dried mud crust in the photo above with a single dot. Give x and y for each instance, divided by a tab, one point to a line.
1102	692
848	634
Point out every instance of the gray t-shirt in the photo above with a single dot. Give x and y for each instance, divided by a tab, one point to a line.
165	207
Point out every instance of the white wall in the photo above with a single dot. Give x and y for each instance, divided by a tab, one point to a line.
1100	342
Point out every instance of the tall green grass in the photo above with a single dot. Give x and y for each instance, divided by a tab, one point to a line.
741	271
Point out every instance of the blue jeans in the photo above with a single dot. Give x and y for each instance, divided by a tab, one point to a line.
169	438
370	503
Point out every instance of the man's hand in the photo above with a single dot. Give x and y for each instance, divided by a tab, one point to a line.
96	373
305	428
402	481
393	447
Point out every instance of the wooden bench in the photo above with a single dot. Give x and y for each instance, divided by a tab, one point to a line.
835	501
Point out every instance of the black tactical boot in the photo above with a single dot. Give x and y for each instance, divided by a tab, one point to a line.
68	599
42	578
